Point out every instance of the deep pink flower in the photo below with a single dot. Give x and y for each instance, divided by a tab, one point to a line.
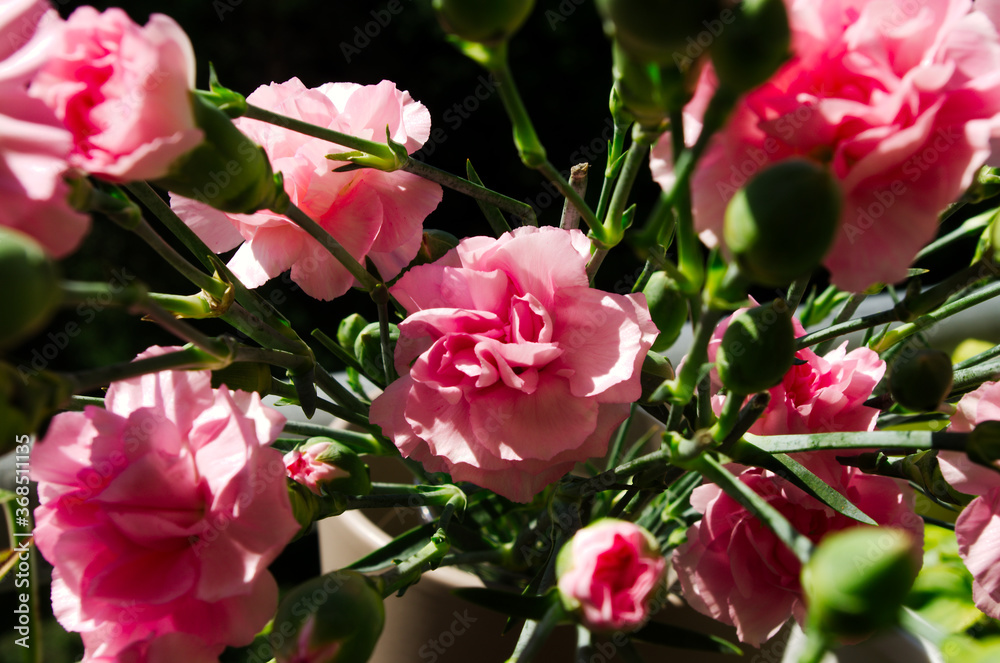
512	368
370	212
34	146
123	91
823	395
162	511
900	98
608	573
303	467
167	648
978	526
734	569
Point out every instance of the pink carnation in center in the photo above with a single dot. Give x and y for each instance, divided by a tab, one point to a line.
512	368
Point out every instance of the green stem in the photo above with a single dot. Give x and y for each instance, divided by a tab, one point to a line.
335	248
534	634
190	357
971	377
978	359
900	441
198	278
471	189
848	327
611	169
596	229
409	570
570	219
381	297
894	336
680	390
845	313
635	160
690	261
290	393
795	292
339	392
380	150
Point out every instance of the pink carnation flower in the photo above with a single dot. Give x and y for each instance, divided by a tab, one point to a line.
123	91
512	368
823	395
900	98
371	213
34	147
978	526
608	573
303	467
168	648
733	569
162	511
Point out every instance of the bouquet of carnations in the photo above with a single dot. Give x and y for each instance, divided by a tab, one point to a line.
706	434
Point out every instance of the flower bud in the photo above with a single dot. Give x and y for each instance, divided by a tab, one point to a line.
435	244
483	21
326	466
245	376
608	573
227	171
668	308
757	349
335	618
753	46
368	348
33	292
658	30
856	580
922	381
780	226
349	330
26	400
648	91
983	446
655	369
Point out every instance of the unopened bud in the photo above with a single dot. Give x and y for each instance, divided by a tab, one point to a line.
32	292
651	92
757	349
335	618
326	466
349	330
754	46
26	400
435	244
922	381
984	444
660	30
483	21
780	226
668	307
368	348
856	580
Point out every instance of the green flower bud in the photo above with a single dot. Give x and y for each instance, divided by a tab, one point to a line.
856	580
354	477
920	382
660	30
349	330
483	21
228	171
753	46
667	306
983	446
780	226
757	349
368	348
335	618
655	369
435	244
245	376
26	400
650	92
32	294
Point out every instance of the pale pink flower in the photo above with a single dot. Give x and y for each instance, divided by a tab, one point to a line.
900	98
303	466
512	368
123	91
373	214
734	569
978	526
34	146
609	573
162	511
823	395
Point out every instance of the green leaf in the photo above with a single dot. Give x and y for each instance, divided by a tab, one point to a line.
509	603
493	215
402	547
682	638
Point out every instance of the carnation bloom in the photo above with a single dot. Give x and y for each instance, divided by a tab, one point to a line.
34	147
162	511
901	100
512	368
123	91
303	467
978	526
734	569
823	394
373	214
608	572
167	648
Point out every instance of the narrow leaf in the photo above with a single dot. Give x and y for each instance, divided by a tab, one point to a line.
493	215
509	603
681	638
